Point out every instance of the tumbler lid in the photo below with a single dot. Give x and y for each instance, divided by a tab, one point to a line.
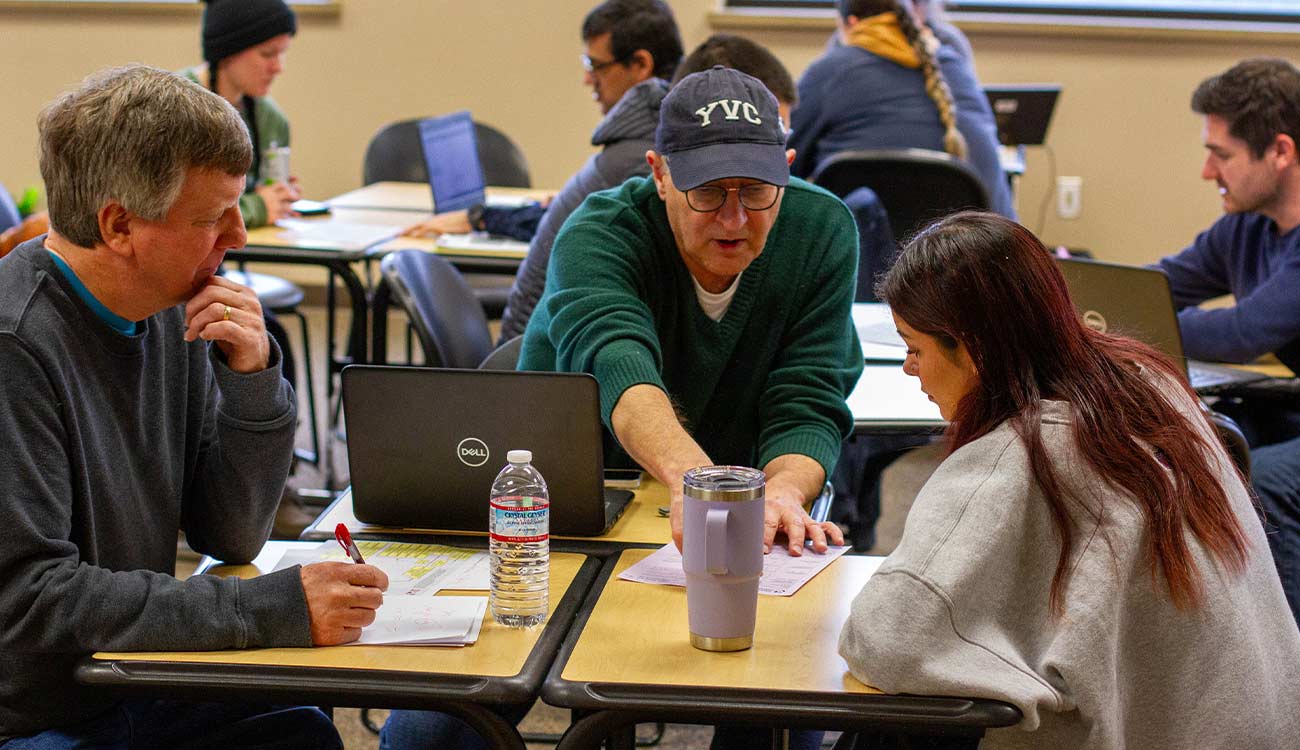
724	483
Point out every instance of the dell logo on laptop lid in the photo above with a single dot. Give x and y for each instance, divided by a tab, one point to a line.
472	452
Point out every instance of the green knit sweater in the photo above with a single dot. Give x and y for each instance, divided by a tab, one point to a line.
769	379
272	128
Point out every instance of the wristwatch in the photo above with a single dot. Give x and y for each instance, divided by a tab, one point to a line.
475	216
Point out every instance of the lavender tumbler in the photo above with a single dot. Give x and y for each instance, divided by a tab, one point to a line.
722	554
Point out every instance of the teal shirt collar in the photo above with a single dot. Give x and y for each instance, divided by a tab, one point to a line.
116	322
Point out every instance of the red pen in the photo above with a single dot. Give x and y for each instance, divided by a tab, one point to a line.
344	538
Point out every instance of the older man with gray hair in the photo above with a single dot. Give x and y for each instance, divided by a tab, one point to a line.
143	397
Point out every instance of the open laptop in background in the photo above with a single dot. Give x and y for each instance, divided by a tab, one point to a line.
424	445
1022	111
450	149
1136	302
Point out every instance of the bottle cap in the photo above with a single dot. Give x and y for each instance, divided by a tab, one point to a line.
519	456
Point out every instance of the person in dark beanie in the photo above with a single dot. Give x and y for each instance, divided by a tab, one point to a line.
244	44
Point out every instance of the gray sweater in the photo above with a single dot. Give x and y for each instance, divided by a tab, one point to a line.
961	608
111	445
624	135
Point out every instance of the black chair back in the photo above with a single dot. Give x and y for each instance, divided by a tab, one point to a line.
916	186
447	319
395	154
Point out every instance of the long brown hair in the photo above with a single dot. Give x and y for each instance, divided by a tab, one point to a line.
988	283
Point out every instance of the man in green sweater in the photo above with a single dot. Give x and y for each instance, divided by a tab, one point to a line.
711	301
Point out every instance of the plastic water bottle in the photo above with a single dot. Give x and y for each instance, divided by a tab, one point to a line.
520	548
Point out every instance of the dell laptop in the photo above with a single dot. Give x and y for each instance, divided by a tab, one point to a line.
424	445
1136	302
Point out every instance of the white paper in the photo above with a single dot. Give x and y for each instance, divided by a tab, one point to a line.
425	621
477	241
336	234
412	568
877	332
783	574
886	393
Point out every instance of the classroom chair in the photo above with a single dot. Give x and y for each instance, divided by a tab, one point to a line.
446	318
9	216
916	186
394	154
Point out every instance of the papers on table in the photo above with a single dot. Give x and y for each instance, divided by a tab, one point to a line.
877	332
331	233
478	242
426	621
783	574
410	612
412	568
496	200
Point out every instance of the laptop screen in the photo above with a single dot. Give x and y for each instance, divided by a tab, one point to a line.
451	156
1127	300
1022	111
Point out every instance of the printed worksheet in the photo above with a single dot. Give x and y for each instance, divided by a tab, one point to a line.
425	621
783	574
412	568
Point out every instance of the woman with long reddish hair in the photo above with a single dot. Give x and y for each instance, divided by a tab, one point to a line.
1087	550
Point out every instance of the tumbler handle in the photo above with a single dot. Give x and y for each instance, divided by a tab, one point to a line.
715	540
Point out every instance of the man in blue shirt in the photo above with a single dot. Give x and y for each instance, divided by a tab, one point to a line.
1252	126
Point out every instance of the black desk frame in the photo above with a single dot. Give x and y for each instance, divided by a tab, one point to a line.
466	696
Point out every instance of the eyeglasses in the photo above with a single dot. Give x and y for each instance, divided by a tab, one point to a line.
758	196
592	66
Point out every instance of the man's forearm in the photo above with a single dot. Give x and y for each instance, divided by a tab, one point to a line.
647	427
796	474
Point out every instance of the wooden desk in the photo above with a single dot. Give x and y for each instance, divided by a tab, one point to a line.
416	196
628	658
640	525
505	665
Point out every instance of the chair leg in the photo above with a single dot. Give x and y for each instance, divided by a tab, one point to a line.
312	457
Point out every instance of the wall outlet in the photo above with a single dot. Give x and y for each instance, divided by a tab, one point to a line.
1069	197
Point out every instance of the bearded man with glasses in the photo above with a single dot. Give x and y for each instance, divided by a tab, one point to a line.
711	300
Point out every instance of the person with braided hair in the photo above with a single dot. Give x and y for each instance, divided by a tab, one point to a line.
244	44
896	80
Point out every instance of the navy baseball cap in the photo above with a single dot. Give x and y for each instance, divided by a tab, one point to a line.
721	123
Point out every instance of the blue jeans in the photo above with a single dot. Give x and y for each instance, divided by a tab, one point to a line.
409	730
148	724
1275	474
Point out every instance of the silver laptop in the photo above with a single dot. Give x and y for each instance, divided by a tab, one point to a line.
1136	302
424	445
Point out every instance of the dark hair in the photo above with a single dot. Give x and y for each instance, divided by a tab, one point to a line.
963	279
634	25
745	55
868	8
1259	98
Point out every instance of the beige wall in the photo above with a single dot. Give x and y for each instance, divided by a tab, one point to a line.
1122	123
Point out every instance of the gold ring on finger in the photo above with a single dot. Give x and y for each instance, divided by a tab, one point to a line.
226	315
